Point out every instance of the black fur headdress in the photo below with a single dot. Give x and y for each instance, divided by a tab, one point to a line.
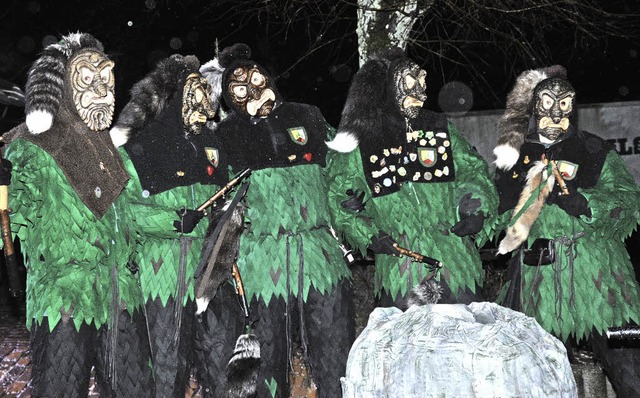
45	82
150	95
514	123
369	99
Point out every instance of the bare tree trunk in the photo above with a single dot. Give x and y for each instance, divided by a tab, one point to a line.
385	23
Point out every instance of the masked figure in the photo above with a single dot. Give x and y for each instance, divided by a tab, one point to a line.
402	175
567	202
83	299
176	164
295	279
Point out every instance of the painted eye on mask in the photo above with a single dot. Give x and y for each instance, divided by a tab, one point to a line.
547	102
422	77
257	79
240	91
105	75
86	75
199	95
565	104
409	82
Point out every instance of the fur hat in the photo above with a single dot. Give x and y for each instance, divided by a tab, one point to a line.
213	70
150	95
368	100
514	123
46	80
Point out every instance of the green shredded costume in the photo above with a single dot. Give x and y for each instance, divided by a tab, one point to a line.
418	216
158	256
592	282
67	194
77	263
291	233
173	164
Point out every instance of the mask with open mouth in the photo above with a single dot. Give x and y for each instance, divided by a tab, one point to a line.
251	91
410	88
553	107
93	85
196	103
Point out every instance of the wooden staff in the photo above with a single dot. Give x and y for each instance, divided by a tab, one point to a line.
557	175
222	191
418	257
240	289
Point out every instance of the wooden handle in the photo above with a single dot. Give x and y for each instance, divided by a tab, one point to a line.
244	173
557	175
5	221
4	197
418	257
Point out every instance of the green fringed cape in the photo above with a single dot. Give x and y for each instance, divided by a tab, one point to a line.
158	252
75	261
287	247
419	217
598	288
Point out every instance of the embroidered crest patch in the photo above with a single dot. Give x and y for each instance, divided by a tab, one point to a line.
213	155
427	156
298	135
568	170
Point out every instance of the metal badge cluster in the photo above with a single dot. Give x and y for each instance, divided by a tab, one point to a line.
425	157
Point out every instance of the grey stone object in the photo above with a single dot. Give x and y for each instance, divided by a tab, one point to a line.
456	350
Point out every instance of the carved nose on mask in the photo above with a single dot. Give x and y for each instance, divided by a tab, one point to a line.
100	88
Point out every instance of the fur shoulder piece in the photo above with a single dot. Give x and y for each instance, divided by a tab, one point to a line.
150	95
514	123
46	79
366	98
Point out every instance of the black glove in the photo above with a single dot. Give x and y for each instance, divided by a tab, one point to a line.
354	202
470	222
5	172
574	204
188	220
468	206
468	225
383	244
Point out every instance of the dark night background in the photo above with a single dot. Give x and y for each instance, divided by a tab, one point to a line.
312	60
310	65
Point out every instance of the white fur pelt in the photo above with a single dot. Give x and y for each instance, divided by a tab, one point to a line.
519	231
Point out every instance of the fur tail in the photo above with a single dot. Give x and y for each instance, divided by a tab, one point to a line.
45	82
242	370
428	291
519	231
